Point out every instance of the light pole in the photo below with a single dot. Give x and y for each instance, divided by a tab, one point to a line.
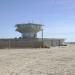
42	39
9	43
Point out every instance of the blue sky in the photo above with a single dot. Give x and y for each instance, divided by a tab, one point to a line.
58	17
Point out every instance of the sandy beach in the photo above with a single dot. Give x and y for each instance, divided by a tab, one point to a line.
53	61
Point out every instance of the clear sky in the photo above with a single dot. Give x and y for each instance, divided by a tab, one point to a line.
58	17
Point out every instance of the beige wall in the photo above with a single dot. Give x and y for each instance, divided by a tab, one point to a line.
33	43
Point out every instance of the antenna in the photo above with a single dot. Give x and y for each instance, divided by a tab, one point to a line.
30	21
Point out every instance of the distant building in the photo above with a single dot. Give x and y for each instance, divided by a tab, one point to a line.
29	38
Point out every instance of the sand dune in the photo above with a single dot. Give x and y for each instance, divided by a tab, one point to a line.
53	61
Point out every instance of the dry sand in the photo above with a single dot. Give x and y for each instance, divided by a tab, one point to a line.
53	61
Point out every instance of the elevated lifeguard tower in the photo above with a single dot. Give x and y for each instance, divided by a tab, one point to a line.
29	30
28	40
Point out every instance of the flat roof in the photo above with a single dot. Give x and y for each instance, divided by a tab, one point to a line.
30	24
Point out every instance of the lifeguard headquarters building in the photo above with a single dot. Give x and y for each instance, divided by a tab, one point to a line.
29	38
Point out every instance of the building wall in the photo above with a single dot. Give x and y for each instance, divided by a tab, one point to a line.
32	43
53	42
